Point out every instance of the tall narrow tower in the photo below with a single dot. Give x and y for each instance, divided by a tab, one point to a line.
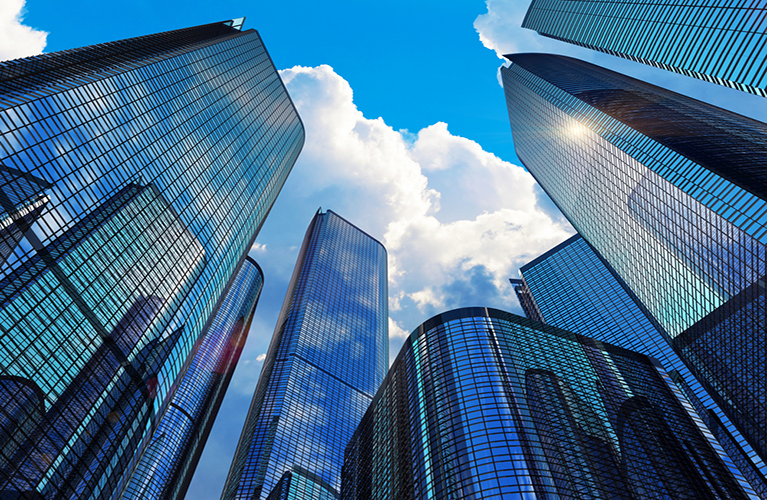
169	462
134	176
327	358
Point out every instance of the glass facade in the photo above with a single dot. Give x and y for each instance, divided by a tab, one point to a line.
720	41
481	403
687	240
171	457
573	289
134	176
328	356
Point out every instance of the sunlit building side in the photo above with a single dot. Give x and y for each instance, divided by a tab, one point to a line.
667	190
327	357
481	403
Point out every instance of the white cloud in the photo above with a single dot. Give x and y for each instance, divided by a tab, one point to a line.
261	357
456	220
500	29
258	248
17	40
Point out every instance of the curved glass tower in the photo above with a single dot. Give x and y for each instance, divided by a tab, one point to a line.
669	191
168	464
720	41
481	403
328	356
134	176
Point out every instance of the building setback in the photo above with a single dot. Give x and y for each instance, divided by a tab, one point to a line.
134	176
169	462
666	189
720	41
481	403
327	357
571	288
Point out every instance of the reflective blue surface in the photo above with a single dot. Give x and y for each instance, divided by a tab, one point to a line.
169	462
138	173
327	358
481	403
721	41
572	288
687	241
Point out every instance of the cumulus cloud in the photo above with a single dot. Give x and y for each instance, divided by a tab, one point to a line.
500	29
261	357
456	220
17	40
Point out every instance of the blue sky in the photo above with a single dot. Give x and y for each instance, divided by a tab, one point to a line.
407	137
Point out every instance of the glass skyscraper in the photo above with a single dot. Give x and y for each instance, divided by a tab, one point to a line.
571	288
327	358
168	464
481	403
134	176
667	190
721	41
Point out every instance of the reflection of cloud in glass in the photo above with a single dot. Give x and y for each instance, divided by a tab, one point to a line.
328	355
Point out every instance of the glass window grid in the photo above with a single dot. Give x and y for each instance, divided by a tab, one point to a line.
573	289
722	41
487	428
327	357
121	127
166	468
601	178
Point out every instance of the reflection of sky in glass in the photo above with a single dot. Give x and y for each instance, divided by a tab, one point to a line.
668	217
517	409
200	124
328	356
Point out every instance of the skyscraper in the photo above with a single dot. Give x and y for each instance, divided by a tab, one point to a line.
665	188
481	403
571	288
720	41
134	176
328	356
168	464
